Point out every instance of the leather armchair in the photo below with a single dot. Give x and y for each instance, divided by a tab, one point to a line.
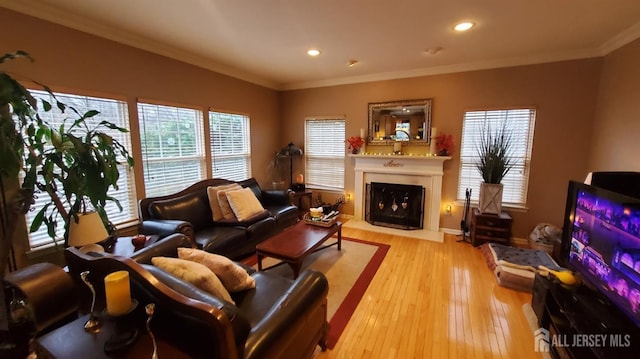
280	318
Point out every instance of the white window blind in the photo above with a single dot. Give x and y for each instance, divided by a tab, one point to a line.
114	111
230	146
324	153
520	123
172	148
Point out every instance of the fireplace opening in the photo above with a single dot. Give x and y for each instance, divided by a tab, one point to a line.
394	205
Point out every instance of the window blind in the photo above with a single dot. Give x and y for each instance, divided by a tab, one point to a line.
230	146
114	111
172	148
520	123
324	153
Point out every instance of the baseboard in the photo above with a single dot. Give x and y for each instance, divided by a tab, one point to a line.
455	232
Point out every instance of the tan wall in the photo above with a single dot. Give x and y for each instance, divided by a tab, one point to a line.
69	59
66	59
616	129
564	94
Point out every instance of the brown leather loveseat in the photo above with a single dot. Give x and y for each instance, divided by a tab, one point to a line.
189	212
279	318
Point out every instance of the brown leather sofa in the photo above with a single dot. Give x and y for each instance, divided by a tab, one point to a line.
188	212
280	318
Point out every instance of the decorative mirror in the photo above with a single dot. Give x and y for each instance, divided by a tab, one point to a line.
408	120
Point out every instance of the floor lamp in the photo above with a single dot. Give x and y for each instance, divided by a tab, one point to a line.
289	151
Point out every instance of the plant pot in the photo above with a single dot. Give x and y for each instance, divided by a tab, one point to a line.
490	199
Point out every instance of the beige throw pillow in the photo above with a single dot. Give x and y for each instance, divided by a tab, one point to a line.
194	273
212	193
244	203
225	208
233	277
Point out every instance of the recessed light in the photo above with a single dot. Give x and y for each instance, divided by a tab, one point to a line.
463	26
352	63
313	52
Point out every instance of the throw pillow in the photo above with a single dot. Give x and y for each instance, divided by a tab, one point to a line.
225	208
212	193
233	277
194	273
244	203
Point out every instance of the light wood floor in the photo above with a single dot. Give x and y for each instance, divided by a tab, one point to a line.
434	300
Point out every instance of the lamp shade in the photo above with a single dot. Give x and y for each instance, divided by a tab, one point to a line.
88	230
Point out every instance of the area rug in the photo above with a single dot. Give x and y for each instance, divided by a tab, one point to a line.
348	271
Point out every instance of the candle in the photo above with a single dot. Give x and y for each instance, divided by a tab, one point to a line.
118	293
300	178
397	146
432	147
362	132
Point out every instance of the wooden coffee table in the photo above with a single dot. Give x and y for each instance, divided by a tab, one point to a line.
293	245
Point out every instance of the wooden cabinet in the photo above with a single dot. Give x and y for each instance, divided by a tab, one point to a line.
490	227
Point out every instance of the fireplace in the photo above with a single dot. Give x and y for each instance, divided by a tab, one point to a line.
419	170
394	205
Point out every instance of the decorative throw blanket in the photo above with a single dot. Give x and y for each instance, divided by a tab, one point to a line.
515	267
528	259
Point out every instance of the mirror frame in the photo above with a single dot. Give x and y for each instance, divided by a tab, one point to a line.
376	107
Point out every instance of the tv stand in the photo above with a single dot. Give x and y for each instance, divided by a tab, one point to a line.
581	323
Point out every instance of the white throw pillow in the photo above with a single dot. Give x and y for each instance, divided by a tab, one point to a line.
194	273
212	193
244	203
233	277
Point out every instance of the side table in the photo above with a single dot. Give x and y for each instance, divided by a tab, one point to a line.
302	200
123	246
71	341
490	227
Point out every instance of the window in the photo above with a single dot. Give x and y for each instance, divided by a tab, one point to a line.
172	145
230	146
521	123
114	111
324	153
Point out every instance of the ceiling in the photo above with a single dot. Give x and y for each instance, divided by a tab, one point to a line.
265	41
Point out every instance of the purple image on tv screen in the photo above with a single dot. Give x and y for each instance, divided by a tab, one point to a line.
605	248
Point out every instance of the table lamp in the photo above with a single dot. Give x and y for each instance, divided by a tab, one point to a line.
87	232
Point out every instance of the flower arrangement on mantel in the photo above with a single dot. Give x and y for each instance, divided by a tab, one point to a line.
444	144
355	142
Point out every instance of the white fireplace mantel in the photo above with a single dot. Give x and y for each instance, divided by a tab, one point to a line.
425	171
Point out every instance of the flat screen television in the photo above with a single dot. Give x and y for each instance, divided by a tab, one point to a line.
601	241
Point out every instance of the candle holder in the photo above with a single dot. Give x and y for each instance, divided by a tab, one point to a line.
125	331
150	309
92	325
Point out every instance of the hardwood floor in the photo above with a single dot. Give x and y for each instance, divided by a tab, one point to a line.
434	300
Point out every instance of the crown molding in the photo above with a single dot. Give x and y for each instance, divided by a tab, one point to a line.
66	19
447	69
623	38
57	16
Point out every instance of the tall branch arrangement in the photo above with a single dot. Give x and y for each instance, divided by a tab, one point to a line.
495	153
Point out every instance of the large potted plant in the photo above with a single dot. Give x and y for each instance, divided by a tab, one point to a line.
76	164
494	162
